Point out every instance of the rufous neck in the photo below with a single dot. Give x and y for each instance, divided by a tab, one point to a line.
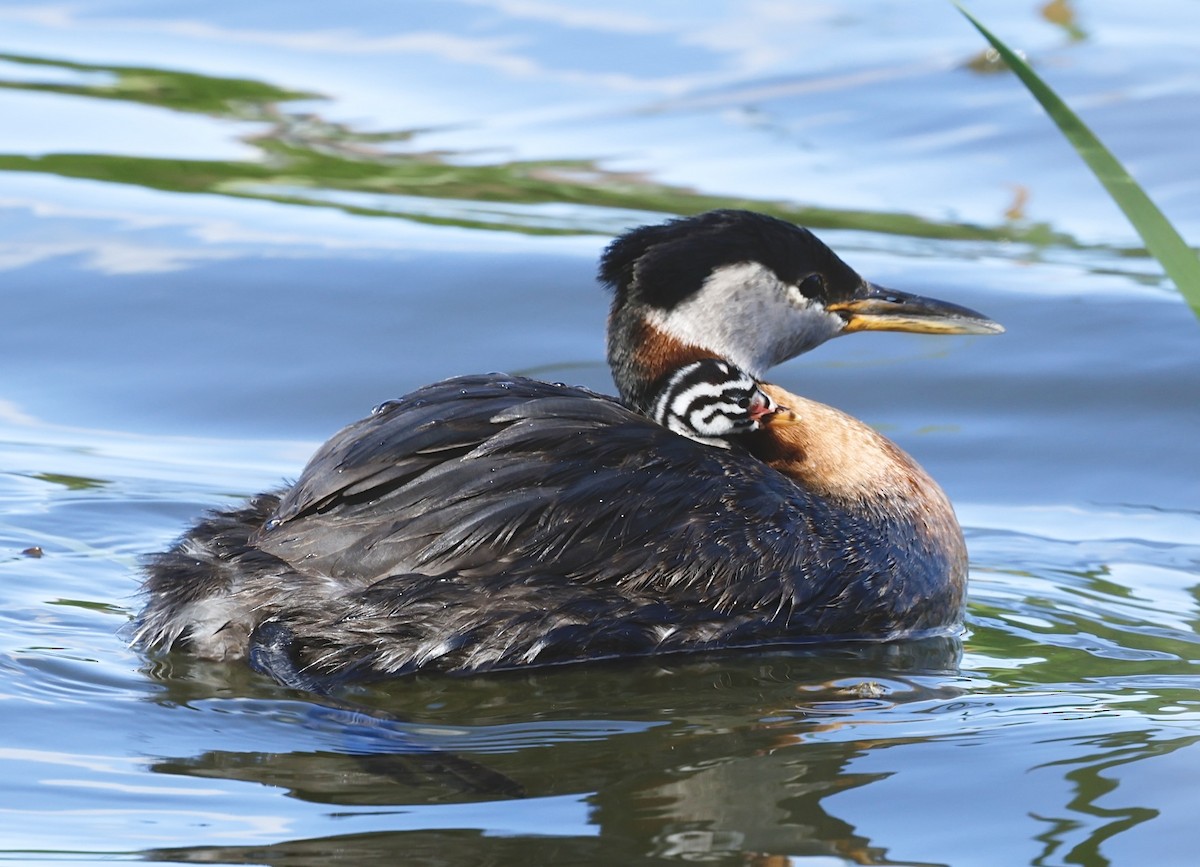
641	356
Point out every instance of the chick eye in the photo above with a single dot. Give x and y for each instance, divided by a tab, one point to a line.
744	403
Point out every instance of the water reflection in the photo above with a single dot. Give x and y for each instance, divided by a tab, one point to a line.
724	760
303	158
190	194
1093	779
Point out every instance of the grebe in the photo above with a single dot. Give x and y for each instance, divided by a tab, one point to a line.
492	521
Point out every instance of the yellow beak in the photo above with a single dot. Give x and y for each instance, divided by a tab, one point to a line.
880	309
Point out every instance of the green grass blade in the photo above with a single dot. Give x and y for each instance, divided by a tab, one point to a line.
1164	243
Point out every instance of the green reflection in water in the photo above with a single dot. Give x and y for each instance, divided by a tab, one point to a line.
301	152
1069	839
74	483
235	98
88	605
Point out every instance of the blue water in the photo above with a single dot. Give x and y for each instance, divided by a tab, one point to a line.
202	280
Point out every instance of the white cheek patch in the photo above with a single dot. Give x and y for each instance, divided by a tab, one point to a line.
746	314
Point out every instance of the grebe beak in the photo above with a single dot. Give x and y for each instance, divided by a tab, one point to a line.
875	308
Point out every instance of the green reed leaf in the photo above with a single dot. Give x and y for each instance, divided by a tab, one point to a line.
1164	243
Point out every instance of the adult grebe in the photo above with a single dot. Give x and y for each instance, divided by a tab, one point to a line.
490	522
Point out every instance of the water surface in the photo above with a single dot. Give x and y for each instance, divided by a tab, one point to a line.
229	229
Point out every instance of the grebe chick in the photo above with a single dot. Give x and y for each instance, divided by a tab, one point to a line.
710	400
490	522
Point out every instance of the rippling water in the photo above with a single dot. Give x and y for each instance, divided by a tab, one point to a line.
228	229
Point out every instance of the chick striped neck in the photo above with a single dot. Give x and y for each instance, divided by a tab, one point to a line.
710	400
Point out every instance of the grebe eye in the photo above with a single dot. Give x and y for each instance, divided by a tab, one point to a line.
812	286
744	403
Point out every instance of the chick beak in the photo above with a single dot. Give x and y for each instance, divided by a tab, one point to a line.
761	406
764	412
874	308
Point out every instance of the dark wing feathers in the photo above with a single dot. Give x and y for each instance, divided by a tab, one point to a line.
533	523
405	623
565	406
491	521
515	471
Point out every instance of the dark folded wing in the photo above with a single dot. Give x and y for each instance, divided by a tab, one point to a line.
493	475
